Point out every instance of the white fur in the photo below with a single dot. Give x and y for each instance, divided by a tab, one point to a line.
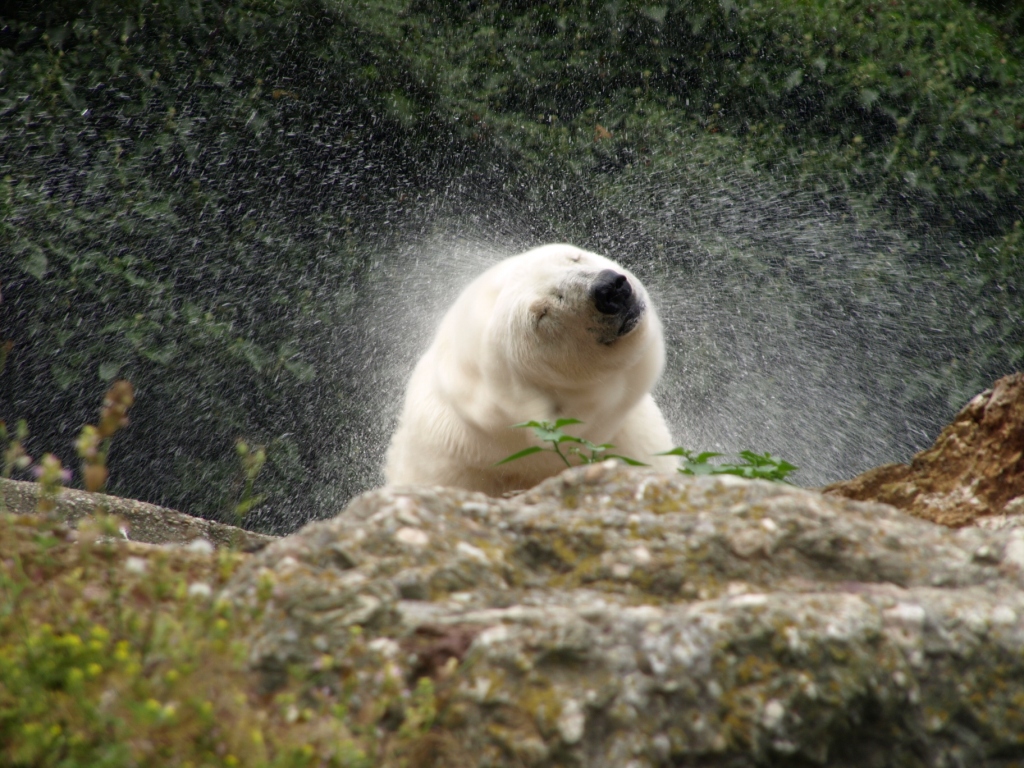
523	342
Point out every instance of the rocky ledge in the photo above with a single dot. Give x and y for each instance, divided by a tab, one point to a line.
139	522
974	470
610	617
613	617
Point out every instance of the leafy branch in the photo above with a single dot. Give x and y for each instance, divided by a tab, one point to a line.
755	466
14	456
252	460
93	444
551	432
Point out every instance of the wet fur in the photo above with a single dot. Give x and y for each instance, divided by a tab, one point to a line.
525	342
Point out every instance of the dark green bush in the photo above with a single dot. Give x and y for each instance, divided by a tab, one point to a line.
194	190
185	188
917	104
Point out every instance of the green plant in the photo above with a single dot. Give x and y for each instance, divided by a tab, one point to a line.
49	472
252	462
551	432
755	466
93	444
15	457
51	476
111	656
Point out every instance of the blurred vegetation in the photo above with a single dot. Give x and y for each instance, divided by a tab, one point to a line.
185	186
190	188
113	656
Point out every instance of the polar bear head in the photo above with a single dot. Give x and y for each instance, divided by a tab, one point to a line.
564	317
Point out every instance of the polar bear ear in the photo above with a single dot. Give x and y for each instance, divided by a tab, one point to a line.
539	310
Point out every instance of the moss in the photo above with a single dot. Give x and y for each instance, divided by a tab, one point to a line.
662	500
540	701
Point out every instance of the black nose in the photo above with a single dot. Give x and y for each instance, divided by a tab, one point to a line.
612	292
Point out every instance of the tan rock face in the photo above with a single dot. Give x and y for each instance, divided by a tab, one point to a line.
974	469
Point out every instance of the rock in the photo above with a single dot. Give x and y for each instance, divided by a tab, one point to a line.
145	523
615	617
974	469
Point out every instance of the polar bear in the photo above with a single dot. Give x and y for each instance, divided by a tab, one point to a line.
554	332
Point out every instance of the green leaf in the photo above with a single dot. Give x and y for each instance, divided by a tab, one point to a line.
63	376
690	468
702	458
109	369
559	423
520	454
688	454
677	451
244	506
162	355
626	459
757	459
36	264
547	435
756	466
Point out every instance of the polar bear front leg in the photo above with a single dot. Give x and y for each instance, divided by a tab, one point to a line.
644	433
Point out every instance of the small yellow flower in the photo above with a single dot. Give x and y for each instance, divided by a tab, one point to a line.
71	640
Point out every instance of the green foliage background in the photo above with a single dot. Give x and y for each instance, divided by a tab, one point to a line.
193	190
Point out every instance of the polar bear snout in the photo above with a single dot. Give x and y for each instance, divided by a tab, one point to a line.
611	292
614	296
